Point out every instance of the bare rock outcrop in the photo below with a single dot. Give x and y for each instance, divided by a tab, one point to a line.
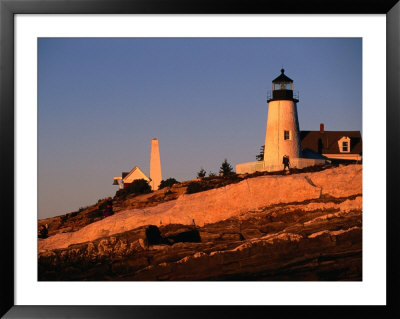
222	203
277	235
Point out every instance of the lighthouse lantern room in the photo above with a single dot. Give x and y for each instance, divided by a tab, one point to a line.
282	89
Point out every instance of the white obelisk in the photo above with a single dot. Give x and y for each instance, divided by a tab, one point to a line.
282	133
155	165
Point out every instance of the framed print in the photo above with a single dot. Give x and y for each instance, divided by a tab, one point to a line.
89	89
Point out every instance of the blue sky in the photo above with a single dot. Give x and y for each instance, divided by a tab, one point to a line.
101	101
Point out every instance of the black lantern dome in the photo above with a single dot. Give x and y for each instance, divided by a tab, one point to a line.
282	89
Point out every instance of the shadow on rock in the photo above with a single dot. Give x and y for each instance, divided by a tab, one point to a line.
181	235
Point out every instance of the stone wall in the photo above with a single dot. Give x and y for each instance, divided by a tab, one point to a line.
261	166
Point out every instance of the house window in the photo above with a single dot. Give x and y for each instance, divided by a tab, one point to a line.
286	135
345	146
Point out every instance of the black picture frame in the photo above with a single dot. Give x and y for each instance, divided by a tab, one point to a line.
8	8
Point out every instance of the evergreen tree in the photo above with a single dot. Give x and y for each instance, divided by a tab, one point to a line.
226	168
201	173
260	157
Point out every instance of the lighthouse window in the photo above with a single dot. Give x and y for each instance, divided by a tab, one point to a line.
286	135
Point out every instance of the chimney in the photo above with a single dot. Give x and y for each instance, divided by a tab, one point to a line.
321	128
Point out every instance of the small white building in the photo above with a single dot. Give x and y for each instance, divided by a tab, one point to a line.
128	177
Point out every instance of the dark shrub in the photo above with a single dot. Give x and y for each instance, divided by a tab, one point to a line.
232	178
73	214
121	193
137	187
195	187
167	183
64	218
212	182
95	214
104	204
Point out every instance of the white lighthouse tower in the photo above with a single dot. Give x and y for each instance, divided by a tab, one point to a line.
282	135
155	165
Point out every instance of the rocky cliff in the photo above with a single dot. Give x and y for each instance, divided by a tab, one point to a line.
304	226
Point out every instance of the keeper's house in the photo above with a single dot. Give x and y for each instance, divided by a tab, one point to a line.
337	146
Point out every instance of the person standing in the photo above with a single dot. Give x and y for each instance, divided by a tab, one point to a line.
286	162
108	211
